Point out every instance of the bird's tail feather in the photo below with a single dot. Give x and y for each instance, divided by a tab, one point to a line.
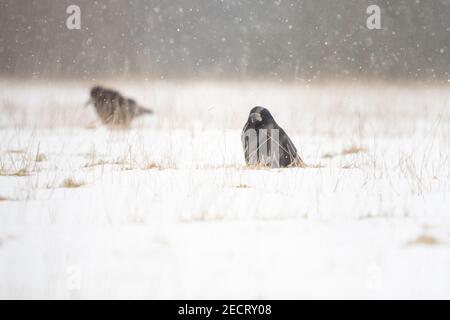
142	111
298	162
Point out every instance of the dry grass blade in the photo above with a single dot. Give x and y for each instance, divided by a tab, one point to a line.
40	157
243	186
19	173
16	151
96	163
425	240
353	150
152	165
258	166
70	183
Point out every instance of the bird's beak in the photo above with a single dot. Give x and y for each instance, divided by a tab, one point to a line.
88	102
255	116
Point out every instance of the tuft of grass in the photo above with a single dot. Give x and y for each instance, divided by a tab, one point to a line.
328	155
152	165
425	240
71	183
243	186
352	150
4	199
40	157
20	173
258	166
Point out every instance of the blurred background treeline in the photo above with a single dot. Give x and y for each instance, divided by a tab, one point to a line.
231	39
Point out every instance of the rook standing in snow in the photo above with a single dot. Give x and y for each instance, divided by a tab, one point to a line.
266	143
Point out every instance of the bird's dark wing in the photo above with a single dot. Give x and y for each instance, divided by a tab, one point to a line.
295	160
290	155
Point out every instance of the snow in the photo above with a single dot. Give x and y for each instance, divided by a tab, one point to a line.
168	209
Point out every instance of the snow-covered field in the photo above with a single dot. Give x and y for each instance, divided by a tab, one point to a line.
168	209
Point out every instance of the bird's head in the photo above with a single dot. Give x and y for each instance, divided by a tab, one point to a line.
96	92
259	116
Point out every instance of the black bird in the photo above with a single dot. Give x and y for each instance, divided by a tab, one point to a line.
114	109
265	142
